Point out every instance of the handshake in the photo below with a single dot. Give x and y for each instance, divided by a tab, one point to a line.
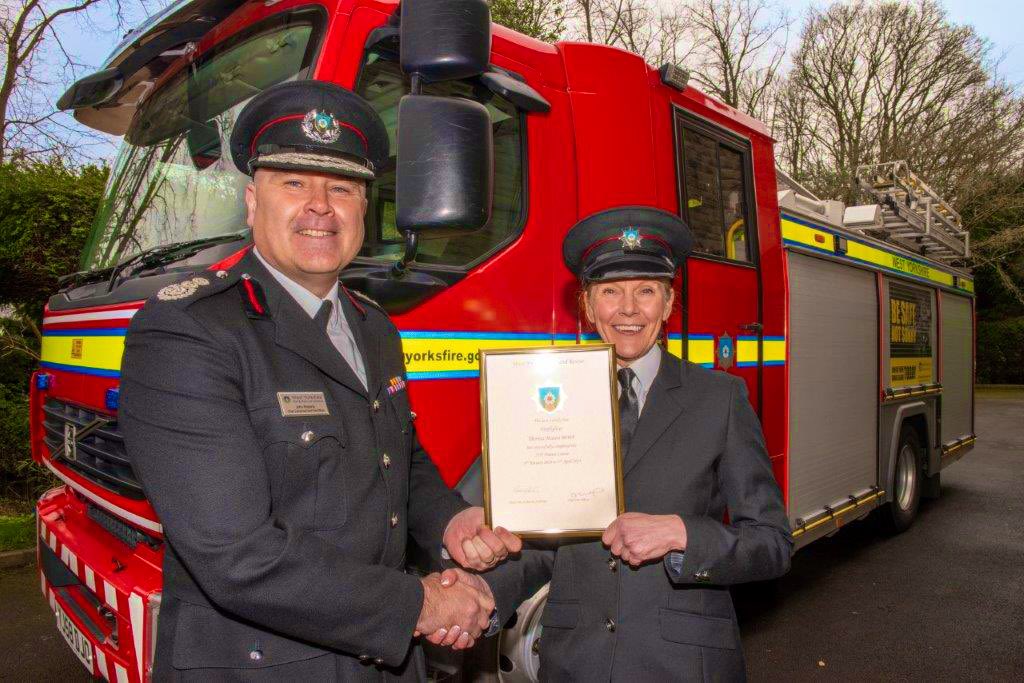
457	605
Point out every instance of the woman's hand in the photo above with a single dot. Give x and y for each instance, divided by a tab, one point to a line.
637	538
474	545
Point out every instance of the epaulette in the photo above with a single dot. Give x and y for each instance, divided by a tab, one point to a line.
196	286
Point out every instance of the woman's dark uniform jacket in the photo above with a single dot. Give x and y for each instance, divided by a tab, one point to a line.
286	536
697	451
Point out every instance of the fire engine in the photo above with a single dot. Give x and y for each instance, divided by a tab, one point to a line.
851	326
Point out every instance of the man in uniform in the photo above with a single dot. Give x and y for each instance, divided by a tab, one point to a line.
264	410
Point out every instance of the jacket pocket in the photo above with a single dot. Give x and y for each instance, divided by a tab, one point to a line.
207	638
305	459
696	629
558	614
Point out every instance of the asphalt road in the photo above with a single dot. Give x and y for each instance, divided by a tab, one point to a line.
943	601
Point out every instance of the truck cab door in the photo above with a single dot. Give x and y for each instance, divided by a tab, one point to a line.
721	325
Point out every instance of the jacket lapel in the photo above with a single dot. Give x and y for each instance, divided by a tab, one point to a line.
665	402
296	331
368	343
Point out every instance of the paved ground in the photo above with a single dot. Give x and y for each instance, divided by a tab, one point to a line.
944	601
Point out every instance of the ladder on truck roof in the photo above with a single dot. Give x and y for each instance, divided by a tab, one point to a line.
913	214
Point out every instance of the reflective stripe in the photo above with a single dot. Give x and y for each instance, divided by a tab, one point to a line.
83	353
101	663
122	673
799	232
99	500
90	578
135	608
109	595
56	318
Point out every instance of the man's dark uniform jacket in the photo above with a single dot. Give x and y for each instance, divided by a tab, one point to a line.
286	536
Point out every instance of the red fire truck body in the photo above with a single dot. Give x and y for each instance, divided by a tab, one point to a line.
768	289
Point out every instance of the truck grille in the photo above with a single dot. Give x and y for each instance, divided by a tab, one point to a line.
99	456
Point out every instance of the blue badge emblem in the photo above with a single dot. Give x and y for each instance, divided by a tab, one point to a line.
549	398
321	127
726	352
630	238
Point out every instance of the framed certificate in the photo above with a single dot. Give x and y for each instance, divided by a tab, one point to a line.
550	427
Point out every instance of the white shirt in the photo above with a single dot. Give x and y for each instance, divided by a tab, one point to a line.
338	328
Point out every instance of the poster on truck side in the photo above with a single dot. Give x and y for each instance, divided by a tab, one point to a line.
910	336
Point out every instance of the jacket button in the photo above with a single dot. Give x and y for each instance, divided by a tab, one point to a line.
222	274
376	405
612	564
364	658
378	661
307	436
394	519
610	625
386	460
255	655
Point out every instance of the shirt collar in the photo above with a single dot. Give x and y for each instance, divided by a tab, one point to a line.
646	368
309	301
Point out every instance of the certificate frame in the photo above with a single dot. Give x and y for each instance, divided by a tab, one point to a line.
554	532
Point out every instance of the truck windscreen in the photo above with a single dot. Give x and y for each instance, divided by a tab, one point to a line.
173	180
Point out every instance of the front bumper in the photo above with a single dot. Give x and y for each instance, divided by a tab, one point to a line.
99	584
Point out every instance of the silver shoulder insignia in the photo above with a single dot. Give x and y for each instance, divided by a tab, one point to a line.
182	290
366	298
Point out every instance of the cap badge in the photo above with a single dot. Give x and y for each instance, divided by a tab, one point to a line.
630	238
181	290
321	127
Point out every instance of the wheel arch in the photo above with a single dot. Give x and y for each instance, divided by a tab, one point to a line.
915	414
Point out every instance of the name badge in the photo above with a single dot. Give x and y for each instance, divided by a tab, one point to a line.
302	403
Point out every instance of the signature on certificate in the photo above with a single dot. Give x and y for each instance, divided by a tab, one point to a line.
586	494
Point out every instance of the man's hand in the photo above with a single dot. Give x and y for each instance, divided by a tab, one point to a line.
472	544
637	538
456	608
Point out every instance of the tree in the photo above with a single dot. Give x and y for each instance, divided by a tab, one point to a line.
541	19
638	26
886	81
738	50
46	212
29	125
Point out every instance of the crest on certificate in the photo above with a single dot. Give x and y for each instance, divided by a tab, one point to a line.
550	398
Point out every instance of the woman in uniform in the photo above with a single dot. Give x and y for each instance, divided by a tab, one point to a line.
650	600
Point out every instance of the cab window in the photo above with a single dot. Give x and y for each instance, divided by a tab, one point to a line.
382	83
714	184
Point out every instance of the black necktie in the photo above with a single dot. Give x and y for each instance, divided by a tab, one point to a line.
323	316
629	408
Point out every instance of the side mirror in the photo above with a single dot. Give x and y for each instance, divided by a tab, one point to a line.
93	90
445	172
445	40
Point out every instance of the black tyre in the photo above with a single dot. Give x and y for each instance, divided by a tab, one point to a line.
907	482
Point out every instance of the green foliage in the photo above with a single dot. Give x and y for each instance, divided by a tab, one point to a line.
1001	351
20	477
541	19
46	212
17	532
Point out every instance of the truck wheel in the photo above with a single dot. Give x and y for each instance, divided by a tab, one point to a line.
906	483
518	653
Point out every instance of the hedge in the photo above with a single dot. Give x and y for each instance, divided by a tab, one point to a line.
1001	351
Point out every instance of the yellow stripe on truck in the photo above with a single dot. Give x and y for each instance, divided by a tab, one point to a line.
797	232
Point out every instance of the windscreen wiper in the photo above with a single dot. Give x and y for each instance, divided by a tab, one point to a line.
169	253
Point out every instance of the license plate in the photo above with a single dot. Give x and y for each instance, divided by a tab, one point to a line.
77	641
